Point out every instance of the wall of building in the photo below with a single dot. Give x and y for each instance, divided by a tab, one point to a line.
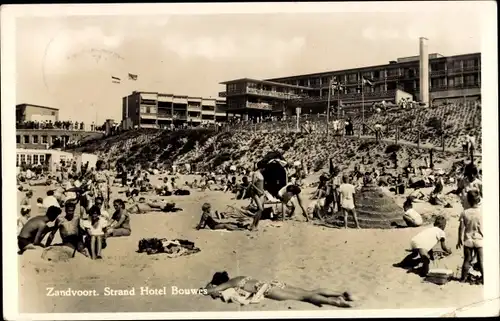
27	112
40	138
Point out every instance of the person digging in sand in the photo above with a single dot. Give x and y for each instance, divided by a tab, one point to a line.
422	245
208	220
276	290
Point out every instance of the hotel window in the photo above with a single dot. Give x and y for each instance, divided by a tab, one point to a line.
23	159
18	139
469	80
143	109
368	75
28	159
352	77
26	139
35	159
458	80
17	160
451	82
54	138
35	139
470	63
45	139
42	159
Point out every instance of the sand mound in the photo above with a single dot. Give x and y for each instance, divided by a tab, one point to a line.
59	253
375	209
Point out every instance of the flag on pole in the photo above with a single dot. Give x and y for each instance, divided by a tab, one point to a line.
367	82
132	76
115	80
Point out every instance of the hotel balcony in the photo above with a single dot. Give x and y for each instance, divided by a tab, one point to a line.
261	106
149	115
208	111
438	73
164	116
148	126
269	93
222	94
220	114
350	96
194	108
179	117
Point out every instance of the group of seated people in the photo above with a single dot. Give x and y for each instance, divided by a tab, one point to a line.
80	217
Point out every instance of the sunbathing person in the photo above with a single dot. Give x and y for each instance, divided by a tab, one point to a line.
142	207
276	291
208	220
35	229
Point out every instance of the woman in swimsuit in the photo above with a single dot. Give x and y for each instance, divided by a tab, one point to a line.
278	291
208	220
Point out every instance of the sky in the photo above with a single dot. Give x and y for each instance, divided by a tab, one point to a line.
67	62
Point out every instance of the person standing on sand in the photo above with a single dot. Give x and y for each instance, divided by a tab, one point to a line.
347	192
470	234
103	184
256	192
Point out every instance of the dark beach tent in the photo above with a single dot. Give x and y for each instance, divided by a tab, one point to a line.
275	177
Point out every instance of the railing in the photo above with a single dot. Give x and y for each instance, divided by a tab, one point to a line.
222	94
164	115
262	106
271	93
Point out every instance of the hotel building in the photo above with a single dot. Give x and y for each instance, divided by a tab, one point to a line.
160	110
447	78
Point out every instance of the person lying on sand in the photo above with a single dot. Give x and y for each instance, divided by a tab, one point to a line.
276	290
208	220
35	229
422	245
143	206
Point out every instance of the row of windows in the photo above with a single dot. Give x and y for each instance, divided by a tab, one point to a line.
389	72
28	159
27	139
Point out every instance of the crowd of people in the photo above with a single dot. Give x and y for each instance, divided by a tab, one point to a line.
270	173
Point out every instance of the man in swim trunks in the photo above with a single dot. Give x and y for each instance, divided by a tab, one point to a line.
68	226
36	228
286	194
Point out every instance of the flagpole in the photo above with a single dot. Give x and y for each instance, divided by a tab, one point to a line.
363	103
328	106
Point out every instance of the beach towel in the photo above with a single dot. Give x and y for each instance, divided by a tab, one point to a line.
172	248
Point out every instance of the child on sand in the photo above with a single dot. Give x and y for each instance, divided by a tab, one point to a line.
35	229
411	217
23	218
422	245
470	234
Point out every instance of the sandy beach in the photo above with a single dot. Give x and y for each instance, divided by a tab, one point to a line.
295	252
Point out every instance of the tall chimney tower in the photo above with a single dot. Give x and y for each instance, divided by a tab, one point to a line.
424	72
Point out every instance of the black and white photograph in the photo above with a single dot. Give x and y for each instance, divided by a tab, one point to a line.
250	160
